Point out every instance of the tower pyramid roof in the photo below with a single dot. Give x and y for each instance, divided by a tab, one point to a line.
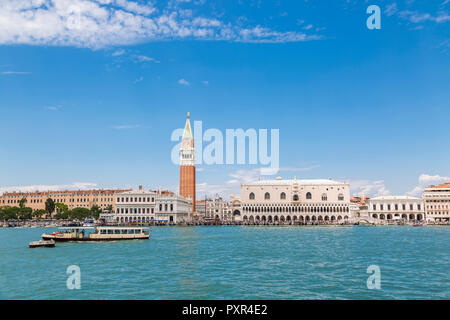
187	133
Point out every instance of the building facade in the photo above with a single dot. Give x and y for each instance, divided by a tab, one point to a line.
215	209
72	198
437	203
147	206
187	164
322	201
393	209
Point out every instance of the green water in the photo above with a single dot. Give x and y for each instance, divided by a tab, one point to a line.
233	263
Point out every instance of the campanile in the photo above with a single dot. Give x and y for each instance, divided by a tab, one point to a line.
187	164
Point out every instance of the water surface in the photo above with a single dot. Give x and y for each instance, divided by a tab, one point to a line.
233	263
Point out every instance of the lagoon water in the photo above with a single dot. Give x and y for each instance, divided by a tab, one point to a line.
233	263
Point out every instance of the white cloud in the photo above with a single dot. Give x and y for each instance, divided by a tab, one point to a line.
205	83
184	82
52	108
102	23
426	180
33	188
369	188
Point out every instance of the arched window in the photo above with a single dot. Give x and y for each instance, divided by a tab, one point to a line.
295	198
283	196
267	196
309	196
341	197
324	197
251	196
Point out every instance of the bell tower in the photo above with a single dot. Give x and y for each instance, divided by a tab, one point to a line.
187	164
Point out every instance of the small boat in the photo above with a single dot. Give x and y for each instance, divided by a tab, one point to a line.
42	243
104	233
418	225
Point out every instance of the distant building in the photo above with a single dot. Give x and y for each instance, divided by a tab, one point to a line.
146	206
437	203
214	209
72	198
281	200
393	208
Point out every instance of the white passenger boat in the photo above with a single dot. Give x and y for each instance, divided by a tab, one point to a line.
104	233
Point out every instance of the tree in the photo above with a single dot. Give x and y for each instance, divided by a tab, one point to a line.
49	206
61	207
96	211
79	213
38	213
22	202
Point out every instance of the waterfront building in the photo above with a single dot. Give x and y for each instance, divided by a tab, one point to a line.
187	164
104	199
437	203
321	200
173	208
147	206
214	209
392	209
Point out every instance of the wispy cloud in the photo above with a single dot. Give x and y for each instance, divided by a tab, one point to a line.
369	188
391	9
118	52
293	169
126	126
421	17
14	72
104	23
184	82
33	188
52	108
142	58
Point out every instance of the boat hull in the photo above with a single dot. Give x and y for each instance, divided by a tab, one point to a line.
46	243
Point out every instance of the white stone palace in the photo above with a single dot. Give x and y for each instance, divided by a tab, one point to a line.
147	206
294	200
392	209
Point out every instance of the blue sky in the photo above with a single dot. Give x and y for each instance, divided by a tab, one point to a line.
93	101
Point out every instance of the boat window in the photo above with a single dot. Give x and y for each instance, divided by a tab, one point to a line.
110	231
103	231
131	231
116	231
124	231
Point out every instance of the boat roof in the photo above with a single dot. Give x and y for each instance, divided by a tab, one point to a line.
121	227
65	228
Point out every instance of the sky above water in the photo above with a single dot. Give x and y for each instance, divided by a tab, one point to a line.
91	91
